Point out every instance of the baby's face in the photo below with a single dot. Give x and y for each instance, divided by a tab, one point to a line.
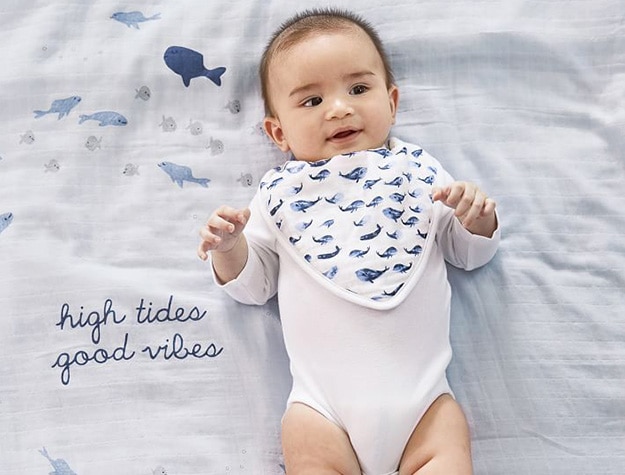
329	96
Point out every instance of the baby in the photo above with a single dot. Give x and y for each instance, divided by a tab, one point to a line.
353	236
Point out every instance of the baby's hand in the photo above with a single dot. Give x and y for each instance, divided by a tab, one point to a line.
222	230
474	209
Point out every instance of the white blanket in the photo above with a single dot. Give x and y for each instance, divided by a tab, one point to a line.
125	124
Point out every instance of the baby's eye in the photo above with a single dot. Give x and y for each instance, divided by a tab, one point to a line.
312	102
359	89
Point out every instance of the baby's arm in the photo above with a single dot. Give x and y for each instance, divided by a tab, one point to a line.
474	209
223	236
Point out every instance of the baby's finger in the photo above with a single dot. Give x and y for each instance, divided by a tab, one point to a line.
475	210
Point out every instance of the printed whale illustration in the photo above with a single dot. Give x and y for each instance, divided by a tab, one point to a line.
60	466
59	106
189	64
132	19
105	118
181	173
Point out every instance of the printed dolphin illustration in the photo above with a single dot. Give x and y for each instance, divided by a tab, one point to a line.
327	223
59	106
373	235
5	220
330	255
181	173
60	466
355	175
303	225
274	183
303	205
394	235
415	209
369	275
105	118
294	190
384	152
189	64
296	168
428	179
132	19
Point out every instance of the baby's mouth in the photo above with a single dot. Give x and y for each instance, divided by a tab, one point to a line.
343	134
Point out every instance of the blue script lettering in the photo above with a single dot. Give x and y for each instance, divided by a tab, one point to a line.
94	319
177	349
165	314
99	356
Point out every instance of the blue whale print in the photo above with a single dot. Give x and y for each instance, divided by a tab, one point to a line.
105	118
60	466
132	19
189	64
181	173
62	107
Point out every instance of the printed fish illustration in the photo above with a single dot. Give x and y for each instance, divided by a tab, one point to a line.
181	173
303	226
143	93
105	118
397	197
337	198
370	275
355	175
384	152
294	190
60	466
189	64
195	127
323	239
417	153
93	143
28	137
168	124
375	201
395	182
52	166
394	235
428	179
296	167
131	169
216	146
275	209
132	19
5	220
246	179
234	106
410	222
327	223
62	107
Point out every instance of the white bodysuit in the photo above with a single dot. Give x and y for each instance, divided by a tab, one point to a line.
356	250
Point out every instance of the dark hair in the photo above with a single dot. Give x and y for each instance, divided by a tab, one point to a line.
307	23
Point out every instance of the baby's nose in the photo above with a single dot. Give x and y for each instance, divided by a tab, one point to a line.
339	107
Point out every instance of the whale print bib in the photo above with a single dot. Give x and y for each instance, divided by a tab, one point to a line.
359	221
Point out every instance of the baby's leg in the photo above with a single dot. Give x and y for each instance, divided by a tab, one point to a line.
313	445
440	444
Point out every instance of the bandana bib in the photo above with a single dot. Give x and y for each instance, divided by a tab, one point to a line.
359	222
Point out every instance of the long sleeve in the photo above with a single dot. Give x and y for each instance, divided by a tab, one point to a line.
258	281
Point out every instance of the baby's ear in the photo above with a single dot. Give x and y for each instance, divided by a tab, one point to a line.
274	130
393	97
